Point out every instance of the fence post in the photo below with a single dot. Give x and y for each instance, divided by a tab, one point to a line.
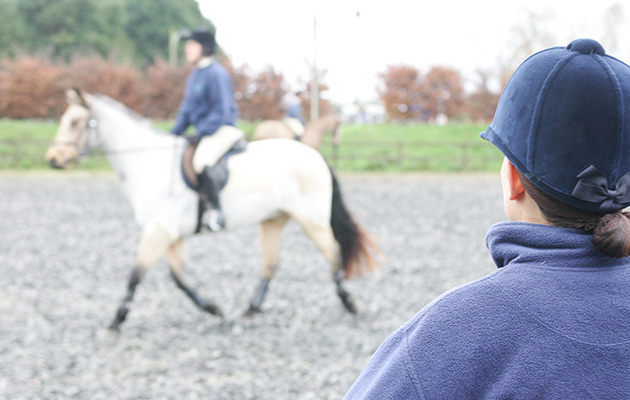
15	144
336	155
464	156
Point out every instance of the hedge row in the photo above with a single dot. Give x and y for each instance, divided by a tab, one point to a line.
34	87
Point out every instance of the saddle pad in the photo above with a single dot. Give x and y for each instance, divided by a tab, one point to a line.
218	172
211	148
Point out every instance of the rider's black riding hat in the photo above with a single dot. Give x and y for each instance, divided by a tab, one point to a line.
563	120
203	36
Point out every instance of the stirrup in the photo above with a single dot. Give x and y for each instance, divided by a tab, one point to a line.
214	220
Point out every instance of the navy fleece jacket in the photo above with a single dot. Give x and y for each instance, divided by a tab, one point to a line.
208	101
553	322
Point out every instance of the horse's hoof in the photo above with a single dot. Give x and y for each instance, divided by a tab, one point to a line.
251	311
212	309
115	326
121	316
349	305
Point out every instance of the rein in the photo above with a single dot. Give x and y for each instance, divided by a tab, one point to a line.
86	150
139	150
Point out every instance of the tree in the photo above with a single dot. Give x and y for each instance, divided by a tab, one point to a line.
163	89
407	95
69	27
31	87
400	92
131	30
240	78
442	92
259	95
121	82
534	31
482	102
150	22
11	28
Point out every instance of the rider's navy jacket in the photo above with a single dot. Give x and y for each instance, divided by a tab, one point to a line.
208	101
295	111
553	322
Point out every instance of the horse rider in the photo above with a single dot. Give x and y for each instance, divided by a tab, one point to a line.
209	106
293	118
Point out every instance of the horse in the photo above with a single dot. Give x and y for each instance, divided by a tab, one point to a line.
269	183
313	132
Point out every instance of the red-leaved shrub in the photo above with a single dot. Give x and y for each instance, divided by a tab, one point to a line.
120	82
163	90
31	87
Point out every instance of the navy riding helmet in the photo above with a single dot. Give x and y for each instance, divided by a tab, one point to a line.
563	120
203	36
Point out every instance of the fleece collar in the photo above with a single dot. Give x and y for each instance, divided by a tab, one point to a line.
517	243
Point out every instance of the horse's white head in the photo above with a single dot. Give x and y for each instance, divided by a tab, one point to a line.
70	140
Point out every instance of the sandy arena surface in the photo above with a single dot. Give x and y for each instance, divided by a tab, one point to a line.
67	246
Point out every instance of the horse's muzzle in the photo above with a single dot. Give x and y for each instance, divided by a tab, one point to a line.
57	158
53	163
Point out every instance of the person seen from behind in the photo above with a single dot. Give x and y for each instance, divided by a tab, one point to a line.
553	321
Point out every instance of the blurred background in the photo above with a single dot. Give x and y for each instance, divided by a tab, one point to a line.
414	81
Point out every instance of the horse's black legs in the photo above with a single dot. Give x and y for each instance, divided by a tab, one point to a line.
347	301
121	314
259	296
176	258
270	234
205	305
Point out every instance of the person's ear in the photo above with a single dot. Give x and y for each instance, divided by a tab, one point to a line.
516	191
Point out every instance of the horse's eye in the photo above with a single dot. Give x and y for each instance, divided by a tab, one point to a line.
74	123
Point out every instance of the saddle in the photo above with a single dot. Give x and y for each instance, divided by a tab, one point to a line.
295	126
217	173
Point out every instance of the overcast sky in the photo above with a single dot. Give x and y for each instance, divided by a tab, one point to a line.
356	40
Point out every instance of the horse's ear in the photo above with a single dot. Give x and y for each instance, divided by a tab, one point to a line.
80	97
86	98
72	96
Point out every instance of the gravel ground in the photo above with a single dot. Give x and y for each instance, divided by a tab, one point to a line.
67	245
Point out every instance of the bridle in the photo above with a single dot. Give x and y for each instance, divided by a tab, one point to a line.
82	144
91	134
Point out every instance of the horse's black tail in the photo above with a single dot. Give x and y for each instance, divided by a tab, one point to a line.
354	242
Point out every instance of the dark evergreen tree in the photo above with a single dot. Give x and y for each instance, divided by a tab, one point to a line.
69	27
130	30
151	22
12	33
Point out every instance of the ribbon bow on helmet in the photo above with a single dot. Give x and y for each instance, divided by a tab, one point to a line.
593	187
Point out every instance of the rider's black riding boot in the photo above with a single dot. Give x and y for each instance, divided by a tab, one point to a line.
213	218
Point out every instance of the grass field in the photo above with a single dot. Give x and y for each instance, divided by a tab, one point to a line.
417	147
413	147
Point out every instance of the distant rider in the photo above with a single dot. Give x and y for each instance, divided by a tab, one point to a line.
209	106
293	118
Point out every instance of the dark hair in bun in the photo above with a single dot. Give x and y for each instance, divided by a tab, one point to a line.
611	232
